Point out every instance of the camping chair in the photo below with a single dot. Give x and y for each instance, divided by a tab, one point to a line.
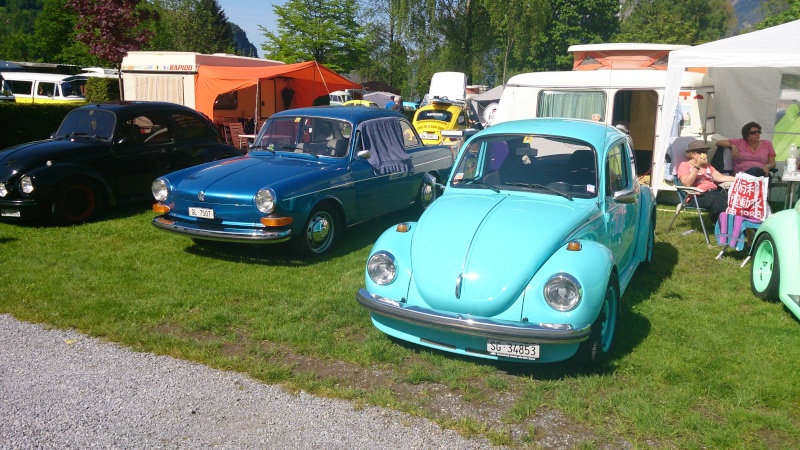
731	231
687	200
236	130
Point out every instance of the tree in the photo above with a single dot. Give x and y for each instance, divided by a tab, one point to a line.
779	12
571	22
111	28
54	37
192	26
668	22
321	30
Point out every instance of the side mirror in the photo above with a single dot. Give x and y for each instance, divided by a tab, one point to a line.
626	196
364	154
430	180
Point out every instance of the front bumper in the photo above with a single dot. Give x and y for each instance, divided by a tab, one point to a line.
216	232
488	328
26	209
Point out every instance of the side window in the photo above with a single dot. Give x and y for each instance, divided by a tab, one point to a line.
410	138
46	89
189	128
617	170
21	87
153	128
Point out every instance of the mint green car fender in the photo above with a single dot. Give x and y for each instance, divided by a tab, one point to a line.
784	228
592	266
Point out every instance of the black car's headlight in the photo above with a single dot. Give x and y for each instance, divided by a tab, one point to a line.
3	190
160	190
26	184
381	268
563	292
265	201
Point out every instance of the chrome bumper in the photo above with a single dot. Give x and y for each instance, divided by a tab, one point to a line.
495	329
226	235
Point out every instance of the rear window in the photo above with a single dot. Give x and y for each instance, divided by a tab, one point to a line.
435	114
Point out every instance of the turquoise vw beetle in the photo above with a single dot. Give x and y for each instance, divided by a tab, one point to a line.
526	254
776	259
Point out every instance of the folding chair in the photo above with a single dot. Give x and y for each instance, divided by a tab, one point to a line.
236	131
687	196
731	233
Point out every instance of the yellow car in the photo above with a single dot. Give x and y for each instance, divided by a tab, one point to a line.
360	103
437	116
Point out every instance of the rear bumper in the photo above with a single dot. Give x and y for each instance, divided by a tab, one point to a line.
482	327
216	232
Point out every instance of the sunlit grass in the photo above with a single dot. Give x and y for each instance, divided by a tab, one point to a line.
699	361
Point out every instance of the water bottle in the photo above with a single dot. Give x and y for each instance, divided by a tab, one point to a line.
791	161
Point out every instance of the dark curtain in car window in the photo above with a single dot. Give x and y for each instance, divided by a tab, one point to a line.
189	128
384	139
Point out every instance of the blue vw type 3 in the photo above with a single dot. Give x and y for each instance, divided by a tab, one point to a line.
526	254
310	173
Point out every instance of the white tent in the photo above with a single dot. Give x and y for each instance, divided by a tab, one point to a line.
747	71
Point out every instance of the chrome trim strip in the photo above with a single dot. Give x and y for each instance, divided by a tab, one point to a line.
488	328
253	236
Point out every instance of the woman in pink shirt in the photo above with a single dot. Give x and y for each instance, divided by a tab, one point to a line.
751	154
697	172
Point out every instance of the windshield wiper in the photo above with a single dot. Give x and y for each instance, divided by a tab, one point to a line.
479	182
540	186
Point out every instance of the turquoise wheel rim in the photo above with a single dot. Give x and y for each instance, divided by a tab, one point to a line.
762	265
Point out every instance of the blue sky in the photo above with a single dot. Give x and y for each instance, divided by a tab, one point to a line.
249	14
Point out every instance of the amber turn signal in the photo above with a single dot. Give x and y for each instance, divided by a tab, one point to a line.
574	246
160	208
402	227
270	221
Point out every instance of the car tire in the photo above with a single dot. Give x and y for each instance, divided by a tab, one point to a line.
319	233
597	348
75	201
426	195
765	277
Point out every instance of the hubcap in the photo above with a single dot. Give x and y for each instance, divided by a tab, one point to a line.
762	266
610	320
319	232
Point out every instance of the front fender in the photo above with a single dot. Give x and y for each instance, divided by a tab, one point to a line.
784	227
592	266
399	245
46	178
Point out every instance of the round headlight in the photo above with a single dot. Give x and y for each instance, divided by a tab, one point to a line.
265	201
381	268
160	190
26	184
3	190
562	292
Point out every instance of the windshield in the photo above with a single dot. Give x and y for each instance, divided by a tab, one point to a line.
528	163
96	123
311	135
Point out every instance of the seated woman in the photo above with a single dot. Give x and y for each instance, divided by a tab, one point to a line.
699	173
751	154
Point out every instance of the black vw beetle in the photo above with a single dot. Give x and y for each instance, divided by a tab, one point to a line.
103	155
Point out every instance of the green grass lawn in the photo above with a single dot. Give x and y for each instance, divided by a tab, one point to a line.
699	361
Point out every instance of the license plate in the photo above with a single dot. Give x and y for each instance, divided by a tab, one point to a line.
10	213
429	136
203	213
512	349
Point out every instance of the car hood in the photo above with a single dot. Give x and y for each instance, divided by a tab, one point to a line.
225	180
24	156
487	247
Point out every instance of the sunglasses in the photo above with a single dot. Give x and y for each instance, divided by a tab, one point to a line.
755	132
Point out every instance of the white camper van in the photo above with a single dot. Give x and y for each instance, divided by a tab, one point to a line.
29	87
628	97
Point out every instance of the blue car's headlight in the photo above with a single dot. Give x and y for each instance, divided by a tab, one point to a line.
265	201
563	292
160	190
381	268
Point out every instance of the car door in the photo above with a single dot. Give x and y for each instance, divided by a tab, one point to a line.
193	139
143	144
621	208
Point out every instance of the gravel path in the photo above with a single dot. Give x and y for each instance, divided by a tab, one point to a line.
61	389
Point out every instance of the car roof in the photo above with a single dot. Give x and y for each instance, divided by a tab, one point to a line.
595	133
353	115
126	107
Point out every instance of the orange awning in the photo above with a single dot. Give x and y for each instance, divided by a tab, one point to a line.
309	80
